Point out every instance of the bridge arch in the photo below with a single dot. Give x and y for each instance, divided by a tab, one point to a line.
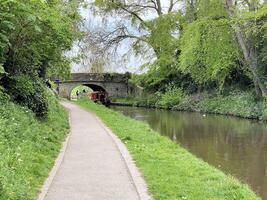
93	86
116	85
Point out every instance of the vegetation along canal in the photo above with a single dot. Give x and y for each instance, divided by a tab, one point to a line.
236	146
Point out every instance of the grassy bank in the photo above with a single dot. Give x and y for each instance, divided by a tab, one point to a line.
28	148
170	171
240	104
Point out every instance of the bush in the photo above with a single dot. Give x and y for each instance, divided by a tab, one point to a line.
190	103
264	114
3	96
241	104
173	96
146	101
30	92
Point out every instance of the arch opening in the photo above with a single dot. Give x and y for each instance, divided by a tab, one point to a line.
91	91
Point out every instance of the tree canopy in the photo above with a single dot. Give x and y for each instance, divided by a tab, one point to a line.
34	34
208	50
205	41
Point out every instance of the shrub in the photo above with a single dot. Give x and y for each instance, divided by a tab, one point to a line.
3	96
28	91
240	104
173	96
264	114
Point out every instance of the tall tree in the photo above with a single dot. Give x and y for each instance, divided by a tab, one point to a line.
208	50
34	35
145	17
233	8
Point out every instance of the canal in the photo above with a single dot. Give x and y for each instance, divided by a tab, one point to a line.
236	146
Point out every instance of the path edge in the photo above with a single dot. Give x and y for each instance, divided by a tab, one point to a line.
135	174
46	186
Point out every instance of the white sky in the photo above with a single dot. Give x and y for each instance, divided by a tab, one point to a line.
132	62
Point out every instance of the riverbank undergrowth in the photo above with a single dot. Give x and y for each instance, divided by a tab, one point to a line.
235	103
170	171
28	147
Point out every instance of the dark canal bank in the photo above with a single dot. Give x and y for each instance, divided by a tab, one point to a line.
236	146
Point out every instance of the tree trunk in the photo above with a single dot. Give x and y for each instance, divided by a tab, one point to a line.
257	88
248	52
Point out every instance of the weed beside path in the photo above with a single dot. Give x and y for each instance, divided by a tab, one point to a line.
170	171
28	148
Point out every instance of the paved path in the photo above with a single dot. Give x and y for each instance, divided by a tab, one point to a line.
92	168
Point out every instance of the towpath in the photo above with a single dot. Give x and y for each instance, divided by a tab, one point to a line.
93	167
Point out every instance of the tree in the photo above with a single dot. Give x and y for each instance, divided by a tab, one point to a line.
34	35
245	41
208	50
207	40
153	32
145	28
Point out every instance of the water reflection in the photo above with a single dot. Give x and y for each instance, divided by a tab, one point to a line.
237	146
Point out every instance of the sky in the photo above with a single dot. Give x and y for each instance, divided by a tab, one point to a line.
129	64
132	62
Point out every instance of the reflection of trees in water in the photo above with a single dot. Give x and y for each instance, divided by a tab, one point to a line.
237	146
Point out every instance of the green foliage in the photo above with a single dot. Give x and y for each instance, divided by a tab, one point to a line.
30	92
208	50
2	71
3	96
173	96
34	34
234	103
198	44
210	8
153	80
241	104
264	114
28	148
6	24
255	26
170	171
164	37
42	32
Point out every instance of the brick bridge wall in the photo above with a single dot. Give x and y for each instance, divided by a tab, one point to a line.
116	85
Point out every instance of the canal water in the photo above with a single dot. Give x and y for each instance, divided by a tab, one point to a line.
236	146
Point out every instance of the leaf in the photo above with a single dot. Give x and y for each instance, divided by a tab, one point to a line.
2	70
31	18
37	28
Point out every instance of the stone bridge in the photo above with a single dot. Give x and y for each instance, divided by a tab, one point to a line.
116	85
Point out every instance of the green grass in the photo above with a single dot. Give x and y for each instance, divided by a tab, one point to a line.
28	148
170	171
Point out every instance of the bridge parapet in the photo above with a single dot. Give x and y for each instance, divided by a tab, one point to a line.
100	77
116	85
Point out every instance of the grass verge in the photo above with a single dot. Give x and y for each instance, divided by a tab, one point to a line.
28	148
170	171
